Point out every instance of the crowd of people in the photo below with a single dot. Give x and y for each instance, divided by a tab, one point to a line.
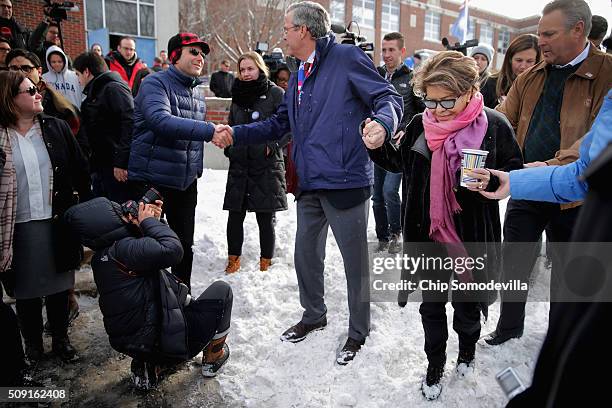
85	142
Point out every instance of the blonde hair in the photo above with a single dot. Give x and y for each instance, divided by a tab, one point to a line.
256	58
450	70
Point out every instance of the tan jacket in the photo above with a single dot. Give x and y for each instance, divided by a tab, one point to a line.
583	95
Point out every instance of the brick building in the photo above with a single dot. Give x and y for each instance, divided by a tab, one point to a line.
150	22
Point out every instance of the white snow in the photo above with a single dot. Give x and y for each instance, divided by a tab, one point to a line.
265	372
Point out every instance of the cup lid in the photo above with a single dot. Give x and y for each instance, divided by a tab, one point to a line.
475	151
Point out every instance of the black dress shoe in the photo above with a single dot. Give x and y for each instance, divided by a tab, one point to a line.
300	331
495	338
349	351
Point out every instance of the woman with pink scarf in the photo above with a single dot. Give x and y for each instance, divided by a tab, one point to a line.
439	210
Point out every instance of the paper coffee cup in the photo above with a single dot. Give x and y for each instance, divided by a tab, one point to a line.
472	159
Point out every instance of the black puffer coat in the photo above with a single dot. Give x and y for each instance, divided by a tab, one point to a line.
126	269
479	219
256	180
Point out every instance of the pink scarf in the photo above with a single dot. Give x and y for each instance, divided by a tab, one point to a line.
446	139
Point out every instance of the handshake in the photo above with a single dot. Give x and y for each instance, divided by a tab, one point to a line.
223	136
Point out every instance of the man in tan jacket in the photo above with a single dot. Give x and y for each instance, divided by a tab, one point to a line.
551	107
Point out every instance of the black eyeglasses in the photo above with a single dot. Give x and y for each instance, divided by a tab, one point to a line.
195	52
445	103
31	90
23	68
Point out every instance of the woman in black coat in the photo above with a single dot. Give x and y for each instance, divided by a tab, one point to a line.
439	210
256	177
45	174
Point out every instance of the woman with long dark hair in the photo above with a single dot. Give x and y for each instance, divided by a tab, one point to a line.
45	173
256	176
523	53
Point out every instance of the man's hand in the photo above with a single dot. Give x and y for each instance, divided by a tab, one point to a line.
374	134
223	136
121	175
149	210
503	190
535	164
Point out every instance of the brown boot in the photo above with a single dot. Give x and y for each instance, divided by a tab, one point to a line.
214	356
233	264
264	264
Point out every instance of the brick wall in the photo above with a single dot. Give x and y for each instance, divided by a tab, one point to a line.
217	109
29	13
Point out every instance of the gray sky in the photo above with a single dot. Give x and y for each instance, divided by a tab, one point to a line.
526	8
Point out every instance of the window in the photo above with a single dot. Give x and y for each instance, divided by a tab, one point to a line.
130	17
336	8
432	26
486	35
363	12
504	41
390	16
471	29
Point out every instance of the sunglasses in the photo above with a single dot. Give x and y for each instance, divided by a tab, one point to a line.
445	103
195	52
23	68
31	90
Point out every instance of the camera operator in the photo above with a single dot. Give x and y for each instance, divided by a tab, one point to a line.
148	313
9	28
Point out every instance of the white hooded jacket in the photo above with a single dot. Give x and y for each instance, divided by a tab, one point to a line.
65	82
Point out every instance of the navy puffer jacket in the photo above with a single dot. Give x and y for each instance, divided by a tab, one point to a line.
169	131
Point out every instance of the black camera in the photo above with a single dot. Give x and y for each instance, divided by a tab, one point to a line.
349	37
458	46
58	11
131	206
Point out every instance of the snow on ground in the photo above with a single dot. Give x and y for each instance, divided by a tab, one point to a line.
265	372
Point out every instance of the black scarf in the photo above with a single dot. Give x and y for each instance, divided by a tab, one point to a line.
246	93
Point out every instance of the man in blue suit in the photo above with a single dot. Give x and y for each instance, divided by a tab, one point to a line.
335	93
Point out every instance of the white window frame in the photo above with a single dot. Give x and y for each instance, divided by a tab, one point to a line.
503	40
138	3
335	7
488	29
390	9
359	9
431	17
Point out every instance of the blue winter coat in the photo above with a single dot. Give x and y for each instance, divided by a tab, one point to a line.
169	130
342	90
564	184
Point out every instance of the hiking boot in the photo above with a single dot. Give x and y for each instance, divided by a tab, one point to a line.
465	363
63	349
431	386
144	375
383	246
300	331
395	245
349	351
264	264
495	338
233	264
210	369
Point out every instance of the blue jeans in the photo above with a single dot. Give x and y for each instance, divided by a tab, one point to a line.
386	203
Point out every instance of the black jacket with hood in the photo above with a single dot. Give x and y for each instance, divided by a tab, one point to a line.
142	304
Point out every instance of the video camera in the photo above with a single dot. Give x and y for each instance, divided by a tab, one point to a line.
58	11
349	37
131	206
458	46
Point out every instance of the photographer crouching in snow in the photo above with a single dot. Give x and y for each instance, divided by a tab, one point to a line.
148	313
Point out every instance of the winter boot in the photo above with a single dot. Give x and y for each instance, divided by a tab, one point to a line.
431	386
63	349
215	355
264	264
233	264
349	351
465	362
144	375
34	351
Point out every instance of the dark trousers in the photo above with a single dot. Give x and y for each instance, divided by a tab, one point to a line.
209	316
106	185
386	203
179	209
29	312
235	233
466	321
11	350
525	221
